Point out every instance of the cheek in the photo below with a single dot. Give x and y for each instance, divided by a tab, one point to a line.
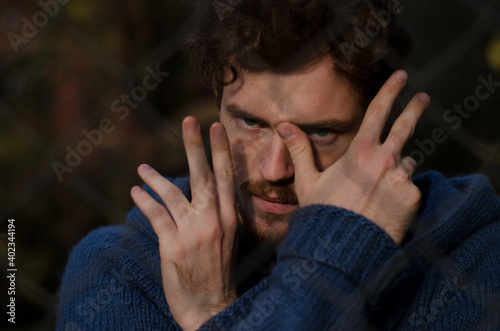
245	153
326	156
324	159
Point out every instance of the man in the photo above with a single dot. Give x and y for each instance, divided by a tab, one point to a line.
307	167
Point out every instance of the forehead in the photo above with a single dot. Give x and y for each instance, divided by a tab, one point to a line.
314	94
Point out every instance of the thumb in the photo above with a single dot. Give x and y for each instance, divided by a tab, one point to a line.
300	150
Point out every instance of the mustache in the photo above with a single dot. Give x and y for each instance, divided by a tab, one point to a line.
261	188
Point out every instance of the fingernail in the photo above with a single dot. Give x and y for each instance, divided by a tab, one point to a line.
144	168
218	129
136	189
192	125
401	76
424	98
285	132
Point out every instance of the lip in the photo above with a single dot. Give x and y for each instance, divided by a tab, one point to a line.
272	205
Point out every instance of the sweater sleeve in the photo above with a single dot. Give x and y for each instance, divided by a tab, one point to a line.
462	290
330	269
110	284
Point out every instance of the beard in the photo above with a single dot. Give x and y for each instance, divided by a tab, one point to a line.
263	229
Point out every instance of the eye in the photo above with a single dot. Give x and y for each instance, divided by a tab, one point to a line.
321	133
248	122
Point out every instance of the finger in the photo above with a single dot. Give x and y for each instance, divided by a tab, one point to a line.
158	216
171	195
409	165
300	150
378	111
223	173
202	188
224	183
405	125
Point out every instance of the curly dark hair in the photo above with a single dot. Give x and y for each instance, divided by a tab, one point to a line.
363	37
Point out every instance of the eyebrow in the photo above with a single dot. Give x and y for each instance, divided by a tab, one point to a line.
333	124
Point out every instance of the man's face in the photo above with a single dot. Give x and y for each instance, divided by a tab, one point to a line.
323	104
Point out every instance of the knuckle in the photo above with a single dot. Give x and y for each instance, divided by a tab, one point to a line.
381	161
224	176
205	199
194	142
157	212
222	149
378	109
205	236
403	129
407	127
206	179
387	162
181	209
414	195
402	173
299	150
166	190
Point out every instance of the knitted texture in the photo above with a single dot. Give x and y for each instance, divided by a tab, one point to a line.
336	270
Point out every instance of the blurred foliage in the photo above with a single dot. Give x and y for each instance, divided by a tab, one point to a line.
493	53
66	78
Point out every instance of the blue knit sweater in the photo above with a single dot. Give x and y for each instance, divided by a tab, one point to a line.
335	270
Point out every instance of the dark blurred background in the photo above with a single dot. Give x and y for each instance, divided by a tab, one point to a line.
60	78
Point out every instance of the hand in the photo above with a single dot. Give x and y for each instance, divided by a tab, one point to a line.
196	239
370	178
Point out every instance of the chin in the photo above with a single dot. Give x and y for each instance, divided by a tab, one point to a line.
266	231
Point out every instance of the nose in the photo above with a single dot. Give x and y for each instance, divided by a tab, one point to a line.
276	164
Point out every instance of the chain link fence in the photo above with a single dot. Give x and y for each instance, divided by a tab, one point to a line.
91	89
